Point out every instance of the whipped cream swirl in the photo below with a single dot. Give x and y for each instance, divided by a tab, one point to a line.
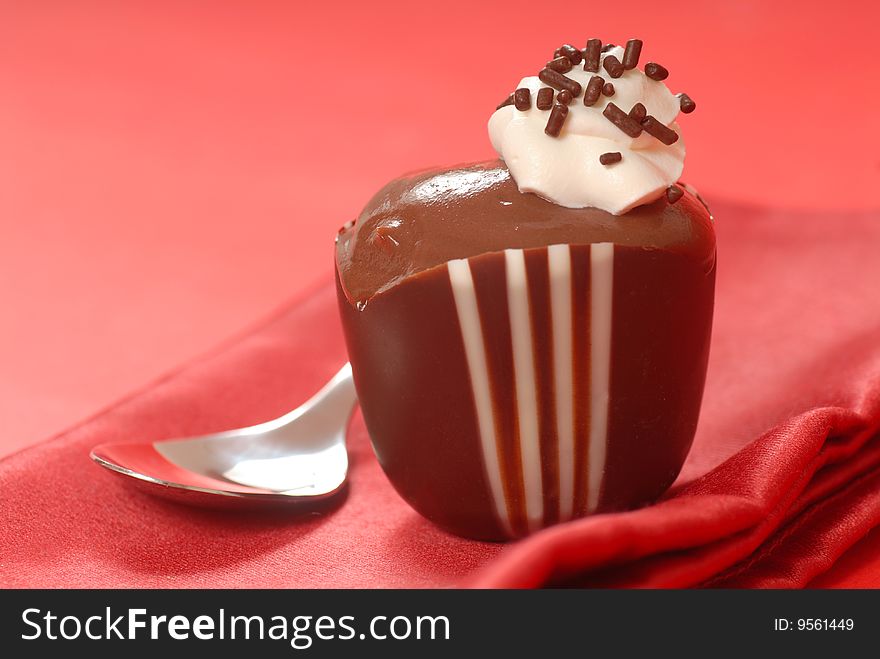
566	169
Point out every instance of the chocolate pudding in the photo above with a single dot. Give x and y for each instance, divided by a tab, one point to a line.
529	336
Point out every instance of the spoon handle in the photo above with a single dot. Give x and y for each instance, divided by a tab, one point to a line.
338	394
332	402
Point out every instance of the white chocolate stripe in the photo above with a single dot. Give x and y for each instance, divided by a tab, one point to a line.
559	263
601	288
475	353
526	390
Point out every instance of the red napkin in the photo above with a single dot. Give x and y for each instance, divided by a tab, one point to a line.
783	477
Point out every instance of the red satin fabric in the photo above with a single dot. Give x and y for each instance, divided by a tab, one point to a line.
783	477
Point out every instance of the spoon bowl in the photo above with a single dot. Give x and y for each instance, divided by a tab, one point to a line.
298	457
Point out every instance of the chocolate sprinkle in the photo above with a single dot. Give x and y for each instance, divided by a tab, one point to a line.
594	89
561	64
655	71
591	55
658	130
507	101
564	97
556	119
613	66
638	112
610	158
522	99
686	103
608	89
607	47
674	193
545	98
559	81
622	120
631	54
571	53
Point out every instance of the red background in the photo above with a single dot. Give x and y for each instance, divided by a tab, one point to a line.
170	172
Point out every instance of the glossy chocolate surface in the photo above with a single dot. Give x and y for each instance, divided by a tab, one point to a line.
416	381
425	219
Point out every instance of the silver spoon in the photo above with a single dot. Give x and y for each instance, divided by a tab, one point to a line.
299	456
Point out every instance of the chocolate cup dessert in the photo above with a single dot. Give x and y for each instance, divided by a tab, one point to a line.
520	363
